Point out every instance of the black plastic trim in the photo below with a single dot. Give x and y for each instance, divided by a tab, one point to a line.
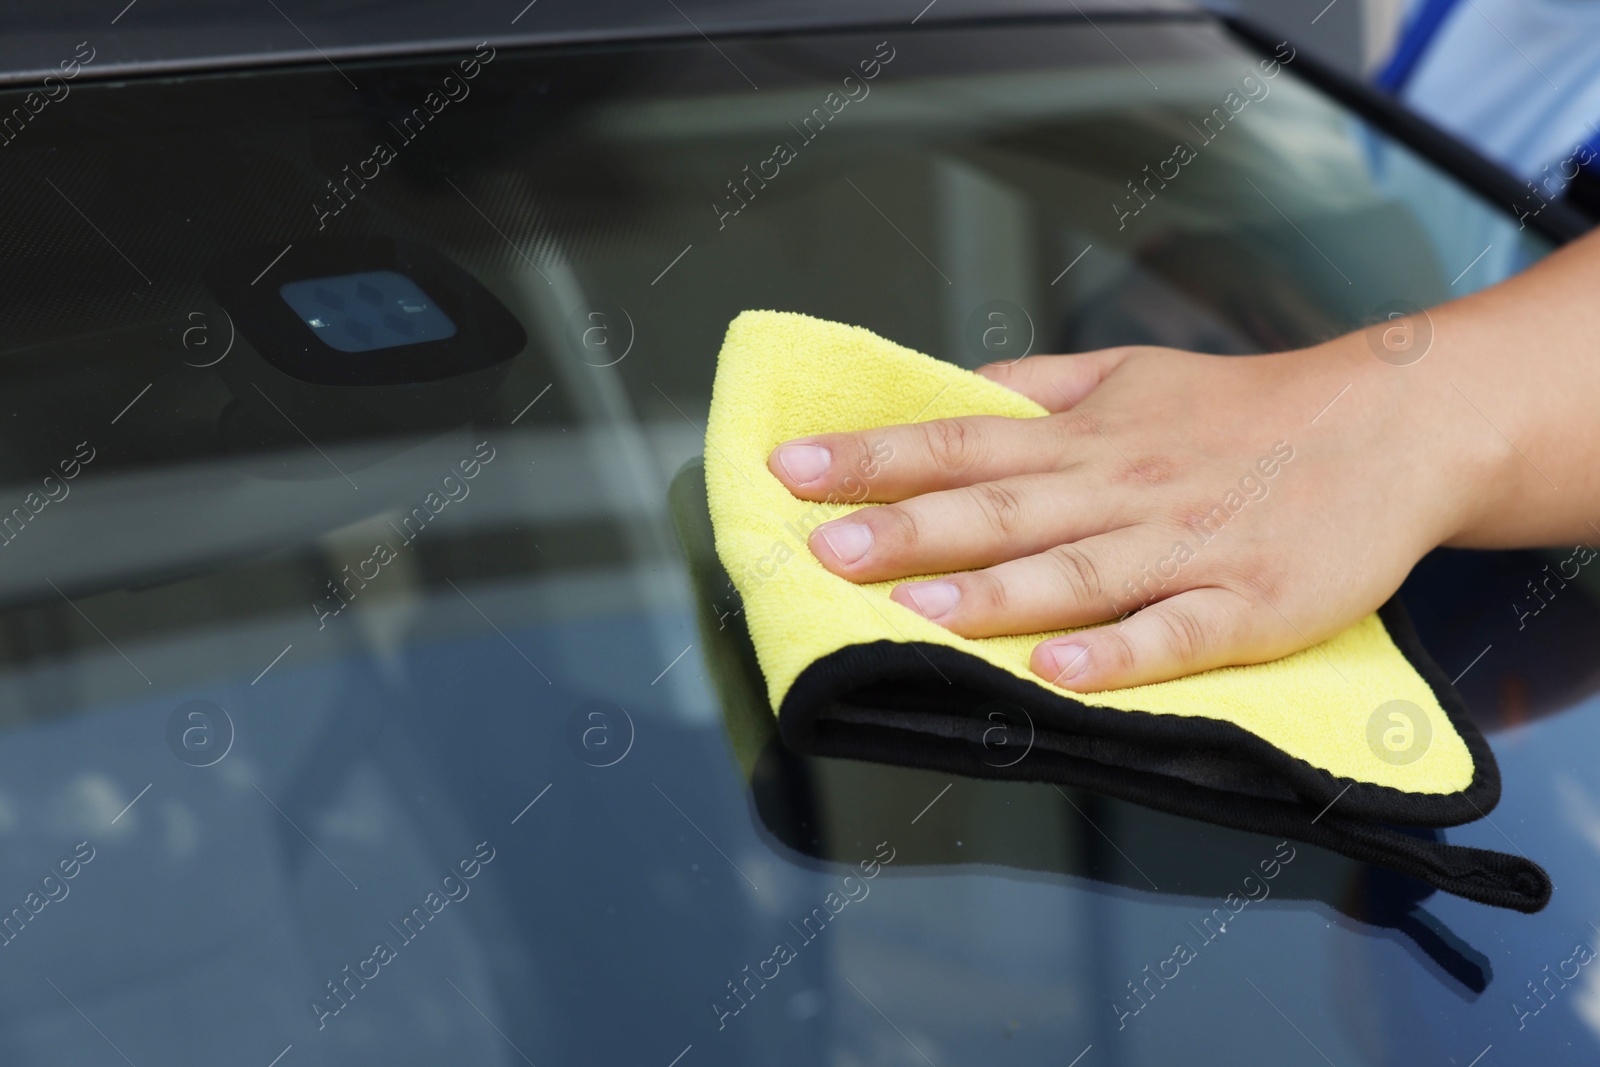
487	333
294	59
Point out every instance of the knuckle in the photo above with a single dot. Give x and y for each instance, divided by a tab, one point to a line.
1115	651
1147	470
1077	572
1204	518
896	527
858	460
1258	579
1185	637
852	451
1001	506
1078	423
952	444
988	590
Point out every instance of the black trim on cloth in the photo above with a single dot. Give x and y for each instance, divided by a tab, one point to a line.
926	716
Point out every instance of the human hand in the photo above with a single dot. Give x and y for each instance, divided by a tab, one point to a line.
1222	501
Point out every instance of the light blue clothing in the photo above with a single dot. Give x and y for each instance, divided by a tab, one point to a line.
1518	79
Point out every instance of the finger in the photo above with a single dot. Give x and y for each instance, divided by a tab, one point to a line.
1074	584
1058	383
974	526
895	462
1194	631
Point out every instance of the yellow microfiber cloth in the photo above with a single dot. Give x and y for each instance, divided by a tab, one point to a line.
1335	745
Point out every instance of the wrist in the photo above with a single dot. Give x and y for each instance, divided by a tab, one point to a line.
1407	426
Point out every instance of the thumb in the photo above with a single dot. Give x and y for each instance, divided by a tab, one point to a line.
1057	383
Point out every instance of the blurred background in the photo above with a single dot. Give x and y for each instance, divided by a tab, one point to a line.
1354	35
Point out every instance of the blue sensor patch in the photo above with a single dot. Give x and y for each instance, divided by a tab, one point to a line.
367	311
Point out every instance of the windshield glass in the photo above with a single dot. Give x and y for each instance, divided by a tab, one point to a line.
365	678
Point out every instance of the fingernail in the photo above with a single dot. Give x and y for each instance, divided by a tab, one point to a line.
849	541
933	599
804	463
1069	661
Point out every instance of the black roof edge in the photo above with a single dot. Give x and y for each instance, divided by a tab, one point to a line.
289	59
1557	221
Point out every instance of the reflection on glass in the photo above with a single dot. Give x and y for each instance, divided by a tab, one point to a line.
446	709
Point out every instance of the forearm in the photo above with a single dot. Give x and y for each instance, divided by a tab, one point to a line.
1500	421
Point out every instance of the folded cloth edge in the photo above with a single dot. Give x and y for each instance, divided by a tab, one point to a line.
1333	813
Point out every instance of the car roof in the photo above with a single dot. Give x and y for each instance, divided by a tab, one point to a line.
178	36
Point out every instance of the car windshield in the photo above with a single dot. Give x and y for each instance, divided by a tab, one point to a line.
377	707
